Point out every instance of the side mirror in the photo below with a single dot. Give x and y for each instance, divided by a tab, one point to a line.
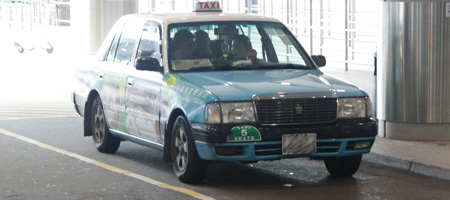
148	64
319	60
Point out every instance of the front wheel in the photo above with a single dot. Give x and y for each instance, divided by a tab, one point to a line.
187	165
103	140
20	49
343	166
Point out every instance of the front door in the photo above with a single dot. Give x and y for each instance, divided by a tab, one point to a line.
143	88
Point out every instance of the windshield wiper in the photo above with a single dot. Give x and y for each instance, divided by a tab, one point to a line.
296	66
231	67
218	68
283	66
196	69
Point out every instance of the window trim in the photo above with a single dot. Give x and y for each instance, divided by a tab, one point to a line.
146	23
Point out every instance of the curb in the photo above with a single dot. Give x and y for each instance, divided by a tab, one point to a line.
408	165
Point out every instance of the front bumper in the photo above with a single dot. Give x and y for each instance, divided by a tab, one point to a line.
333	140
255	151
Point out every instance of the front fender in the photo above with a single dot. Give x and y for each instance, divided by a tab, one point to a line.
181	97
180	94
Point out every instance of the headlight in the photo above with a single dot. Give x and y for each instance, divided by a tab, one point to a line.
355	108
236	112
212	113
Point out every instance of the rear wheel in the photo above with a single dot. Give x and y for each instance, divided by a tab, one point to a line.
49	50
343	166
103	140
187	165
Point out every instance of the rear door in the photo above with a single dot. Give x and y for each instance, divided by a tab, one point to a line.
116	67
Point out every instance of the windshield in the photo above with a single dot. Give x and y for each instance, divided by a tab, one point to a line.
211	46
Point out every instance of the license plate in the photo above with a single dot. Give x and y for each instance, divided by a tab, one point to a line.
298	143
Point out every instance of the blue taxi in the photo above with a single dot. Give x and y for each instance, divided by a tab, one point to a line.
209	87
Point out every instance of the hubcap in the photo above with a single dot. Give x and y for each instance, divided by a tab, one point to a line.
181	146
99	125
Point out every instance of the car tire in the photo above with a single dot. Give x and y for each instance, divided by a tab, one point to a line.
20	49
103	140
343	166
187	165
49	50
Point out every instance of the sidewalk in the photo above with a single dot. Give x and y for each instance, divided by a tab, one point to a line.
425	158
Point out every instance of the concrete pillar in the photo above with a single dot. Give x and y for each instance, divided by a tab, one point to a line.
414	70
91	20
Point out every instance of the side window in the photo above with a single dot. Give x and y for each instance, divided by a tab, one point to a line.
283	45
108	48
112	49
149	45
127	41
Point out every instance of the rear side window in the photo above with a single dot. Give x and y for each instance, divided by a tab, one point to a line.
131	32
112	50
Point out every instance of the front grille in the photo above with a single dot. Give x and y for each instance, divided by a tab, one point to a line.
285	111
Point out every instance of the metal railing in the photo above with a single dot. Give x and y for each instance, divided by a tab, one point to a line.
345	31
24	14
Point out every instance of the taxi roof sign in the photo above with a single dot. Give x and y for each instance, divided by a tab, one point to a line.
208	6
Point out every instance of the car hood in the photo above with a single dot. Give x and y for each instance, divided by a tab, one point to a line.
242	85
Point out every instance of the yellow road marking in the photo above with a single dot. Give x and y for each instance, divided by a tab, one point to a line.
106	166
9	118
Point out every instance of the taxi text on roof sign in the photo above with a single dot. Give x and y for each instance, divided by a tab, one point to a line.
207	6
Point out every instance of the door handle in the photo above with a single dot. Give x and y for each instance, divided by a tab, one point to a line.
101	75
130	82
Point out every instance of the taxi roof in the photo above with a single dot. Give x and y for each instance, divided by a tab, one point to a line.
177	17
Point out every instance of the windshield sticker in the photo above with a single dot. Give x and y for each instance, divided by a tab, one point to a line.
244	134
189	64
